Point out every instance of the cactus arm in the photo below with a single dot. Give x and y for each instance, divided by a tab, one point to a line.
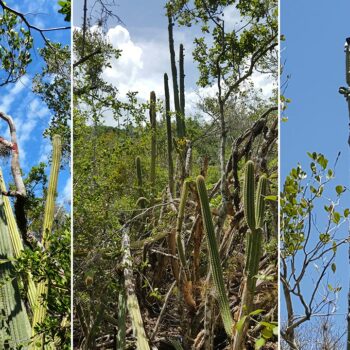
169	135
260	201
153	122
249	195
254	213
40	309
182	88
179	129
179	222
121	320
214	257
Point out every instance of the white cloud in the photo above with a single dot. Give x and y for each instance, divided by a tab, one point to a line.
232	18
66	194
140	67
45	151
142	64
8	98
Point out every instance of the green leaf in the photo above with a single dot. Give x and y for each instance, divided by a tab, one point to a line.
240	323
339	189
336	217
334	267
259	343
256	312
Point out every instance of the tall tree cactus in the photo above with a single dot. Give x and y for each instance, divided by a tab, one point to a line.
153	122
182	85
169	135
180	130
254	210
40	309
214	259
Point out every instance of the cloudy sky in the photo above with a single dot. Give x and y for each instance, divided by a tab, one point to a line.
30	114
143	38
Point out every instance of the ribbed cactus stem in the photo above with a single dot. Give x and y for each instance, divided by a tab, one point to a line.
121	340
51	192
153	122
179	129
179	222
255	219
260	201
214	259
14	322
17	244
139	176
40	309
169	136
182	88
249	195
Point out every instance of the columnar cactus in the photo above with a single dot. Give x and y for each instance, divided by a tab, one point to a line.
179	222
153	121
139	176
16	240
169	136
182	87
14	322
42	288
214	259
179	128
121	340
254	210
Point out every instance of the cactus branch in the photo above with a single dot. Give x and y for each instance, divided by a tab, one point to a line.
214	259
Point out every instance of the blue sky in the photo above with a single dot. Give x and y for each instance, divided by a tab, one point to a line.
317	116
29	112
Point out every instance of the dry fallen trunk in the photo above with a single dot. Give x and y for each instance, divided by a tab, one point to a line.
132	302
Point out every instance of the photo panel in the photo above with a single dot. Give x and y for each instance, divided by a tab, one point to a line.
35	175
314	177
175	174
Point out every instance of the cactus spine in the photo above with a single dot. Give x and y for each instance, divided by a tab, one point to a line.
214	259
153	121
169	136
254	209
42	289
